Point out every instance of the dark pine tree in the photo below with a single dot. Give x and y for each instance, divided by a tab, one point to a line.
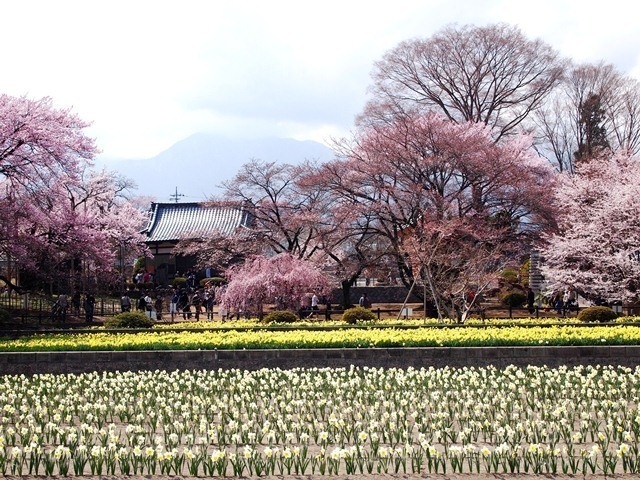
592	133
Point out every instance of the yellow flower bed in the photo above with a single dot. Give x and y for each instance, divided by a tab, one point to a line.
339	338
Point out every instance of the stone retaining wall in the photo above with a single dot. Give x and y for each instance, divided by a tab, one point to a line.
379	294
77	362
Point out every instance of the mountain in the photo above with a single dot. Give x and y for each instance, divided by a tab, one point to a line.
197	165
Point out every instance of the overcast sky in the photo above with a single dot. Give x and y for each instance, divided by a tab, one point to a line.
150	73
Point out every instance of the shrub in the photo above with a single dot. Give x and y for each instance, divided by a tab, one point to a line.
597	314
179	282
353	315
129	320
514	299
280	316
509	275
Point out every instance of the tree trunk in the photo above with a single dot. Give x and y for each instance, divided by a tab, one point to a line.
346	293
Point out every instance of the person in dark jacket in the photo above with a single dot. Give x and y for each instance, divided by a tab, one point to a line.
89	305
531	298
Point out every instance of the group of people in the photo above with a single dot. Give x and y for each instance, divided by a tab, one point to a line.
187	301
143	277
61	306
310	307
364	301
561	302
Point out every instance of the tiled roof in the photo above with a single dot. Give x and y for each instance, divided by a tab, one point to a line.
175	221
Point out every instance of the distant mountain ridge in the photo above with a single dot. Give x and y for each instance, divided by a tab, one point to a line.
198	164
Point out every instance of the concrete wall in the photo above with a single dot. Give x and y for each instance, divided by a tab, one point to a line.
76	362
388	294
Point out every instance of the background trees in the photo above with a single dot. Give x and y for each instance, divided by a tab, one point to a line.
492	75
287	218
435	178
58	220
293	214
495	76
595	108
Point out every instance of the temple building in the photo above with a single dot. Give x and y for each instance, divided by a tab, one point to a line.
171	222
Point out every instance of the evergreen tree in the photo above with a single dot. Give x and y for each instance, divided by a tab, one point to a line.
592	132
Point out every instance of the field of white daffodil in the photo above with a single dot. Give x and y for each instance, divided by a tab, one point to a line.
580	420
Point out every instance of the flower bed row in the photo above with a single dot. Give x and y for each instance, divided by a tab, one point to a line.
321	324
359	338
580	420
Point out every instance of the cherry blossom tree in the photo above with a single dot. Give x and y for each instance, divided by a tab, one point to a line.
98	209
348	249
74	232
56	215
283	280
39	143
444	197
221	250
596	249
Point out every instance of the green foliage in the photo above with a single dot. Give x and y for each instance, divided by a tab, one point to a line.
212	280
509	275
280	316
597	314
141	262
514	299
179	281
525	270
358	314
129	320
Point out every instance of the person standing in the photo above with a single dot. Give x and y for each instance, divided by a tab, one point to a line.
559	305
158	305
148	301
185	305
63	304
76	300
364	301
142	304
210	301
89	305
125	303
314	305
173	306
328	307
531	298
196	301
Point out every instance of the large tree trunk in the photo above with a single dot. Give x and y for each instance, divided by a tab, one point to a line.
346	293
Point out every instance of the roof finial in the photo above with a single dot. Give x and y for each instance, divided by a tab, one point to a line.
176	196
